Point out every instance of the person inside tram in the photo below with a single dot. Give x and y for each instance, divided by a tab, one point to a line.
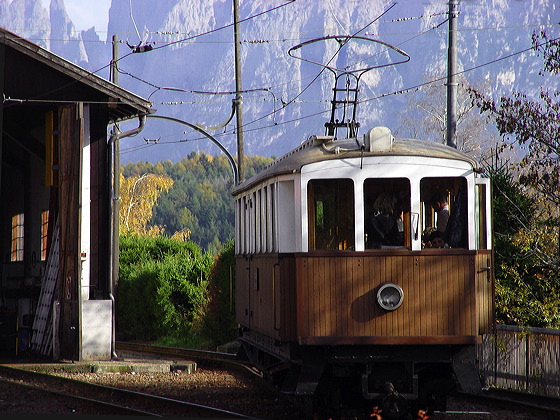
381	222
441	207
435	240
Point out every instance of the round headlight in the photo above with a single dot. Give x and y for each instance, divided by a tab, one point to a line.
390	296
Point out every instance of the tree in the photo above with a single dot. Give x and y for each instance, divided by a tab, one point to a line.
534	125
426	118
527	246
139	194
526	287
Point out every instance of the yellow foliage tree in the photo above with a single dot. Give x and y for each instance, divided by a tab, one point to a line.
139	194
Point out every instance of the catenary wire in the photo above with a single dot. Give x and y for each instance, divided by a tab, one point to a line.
401	91
162	46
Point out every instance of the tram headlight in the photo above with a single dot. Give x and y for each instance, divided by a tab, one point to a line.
390	296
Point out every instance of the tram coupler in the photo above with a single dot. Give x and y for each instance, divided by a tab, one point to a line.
376	378
394	406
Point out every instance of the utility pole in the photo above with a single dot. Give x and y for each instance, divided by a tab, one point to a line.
115	207
238	96
114	72
116	168
451	76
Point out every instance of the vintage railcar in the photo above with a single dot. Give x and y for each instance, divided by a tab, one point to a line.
322	313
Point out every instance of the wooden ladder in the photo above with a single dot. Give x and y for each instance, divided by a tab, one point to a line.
42	336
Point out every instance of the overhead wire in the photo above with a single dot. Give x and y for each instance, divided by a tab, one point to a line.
416	87
162	46
319	74
393	20
226	26
400	91
285	104
323	69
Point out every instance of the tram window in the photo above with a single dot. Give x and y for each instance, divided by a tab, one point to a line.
272	218
444	209
482	225
387	213
245	224
265	220
331	214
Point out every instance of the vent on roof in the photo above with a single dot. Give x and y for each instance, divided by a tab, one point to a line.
379	139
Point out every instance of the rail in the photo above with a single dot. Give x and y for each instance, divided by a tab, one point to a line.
200	356
541	406
534	405
137	402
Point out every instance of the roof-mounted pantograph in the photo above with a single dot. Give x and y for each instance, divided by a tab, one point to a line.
345	91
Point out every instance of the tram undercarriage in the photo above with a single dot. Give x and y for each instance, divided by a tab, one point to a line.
350	376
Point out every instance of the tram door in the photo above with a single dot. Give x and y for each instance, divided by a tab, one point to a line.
257	259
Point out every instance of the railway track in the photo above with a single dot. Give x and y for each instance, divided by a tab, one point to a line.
110	400
203	357
537	407
174	352
66	403
492	404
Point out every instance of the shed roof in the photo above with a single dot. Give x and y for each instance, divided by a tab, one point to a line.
33	74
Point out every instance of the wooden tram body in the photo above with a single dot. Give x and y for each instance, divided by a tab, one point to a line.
307	287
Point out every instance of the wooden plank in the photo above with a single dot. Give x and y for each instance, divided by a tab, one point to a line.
100	214
359	308
390	340
242	291
337	296
290	318
423	319
485	287
348	280
318	282
453	282
70	262
301	275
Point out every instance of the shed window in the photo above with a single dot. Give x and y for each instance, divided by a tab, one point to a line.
17	238
331	214
44	232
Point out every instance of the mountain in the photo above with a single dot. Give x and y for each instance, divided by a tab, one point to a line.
287	99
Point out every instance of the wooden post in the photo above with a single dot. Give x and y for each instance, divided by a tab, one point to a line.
238	96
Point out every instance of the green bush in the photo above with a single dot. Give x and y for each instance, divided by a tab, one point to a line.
219	322
163	287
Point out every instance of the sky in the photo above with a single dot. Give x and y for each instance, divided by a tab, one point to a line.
86	13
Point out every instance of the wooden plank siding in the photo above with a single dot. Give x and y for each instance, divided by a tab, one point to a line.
269	306
261	295
242	288
337	298
485	291
331	297
286	298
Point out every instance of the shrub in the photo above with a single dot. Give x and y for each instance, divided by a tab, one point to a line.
219	322
163	286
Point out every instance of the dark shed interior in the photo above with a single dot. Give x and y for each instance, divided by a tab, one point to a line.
55	189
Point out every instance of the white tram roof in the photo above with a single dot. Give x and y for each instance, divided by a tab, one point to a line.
377	142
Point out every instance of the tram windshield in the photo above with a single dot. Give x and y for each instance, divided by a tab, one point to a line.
388	221
387	213
331	214
444	212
